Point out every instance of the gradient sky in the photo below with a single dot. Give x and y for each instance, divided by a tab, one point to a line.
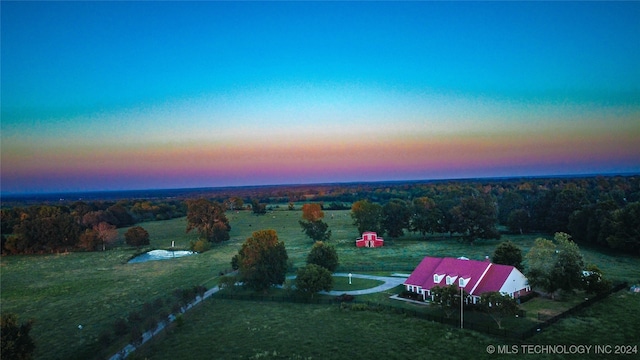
137	95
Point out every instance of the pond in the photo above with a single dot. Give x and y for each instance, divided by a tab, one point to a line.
160	255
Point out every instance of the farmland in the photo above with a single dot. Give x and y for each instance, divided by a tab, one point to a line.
61	291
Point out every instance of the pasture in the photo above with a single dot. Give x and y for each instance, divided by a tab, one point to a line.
62	291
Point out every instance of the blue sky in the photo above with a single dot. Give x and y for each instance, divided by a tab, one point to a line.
120	95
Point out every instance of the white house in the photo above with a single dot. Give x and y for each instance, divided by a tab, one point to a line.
475	277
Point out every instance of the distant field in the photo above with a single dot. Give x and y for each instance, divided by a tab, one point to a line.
93	289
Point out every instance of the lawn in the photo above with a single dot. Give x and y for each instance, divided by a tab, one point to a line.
221	329
341	283
62	291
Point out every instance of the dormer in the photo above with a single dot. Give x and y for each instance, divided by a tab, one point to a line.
462	282
451	279
437	278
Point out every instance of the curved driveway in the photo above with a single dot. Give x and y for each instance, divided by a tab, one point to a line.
389	283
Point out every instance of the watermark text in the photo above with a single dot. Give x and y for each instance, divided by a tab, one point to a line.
536	349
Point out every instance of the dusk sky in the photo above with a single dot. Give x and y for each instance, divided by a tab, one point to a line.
140	95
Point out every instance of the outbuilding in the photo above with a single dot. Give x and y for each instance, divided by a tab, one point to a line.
369	239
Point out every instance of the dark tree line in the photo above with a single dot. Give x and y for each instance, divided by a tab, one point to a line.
474	217
602	211
84	226
598	210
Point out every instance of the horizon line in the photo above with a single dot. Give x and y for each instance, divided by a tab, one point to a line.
77	192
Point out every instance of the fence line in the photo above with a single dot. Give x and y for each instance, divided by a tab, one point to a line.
481	327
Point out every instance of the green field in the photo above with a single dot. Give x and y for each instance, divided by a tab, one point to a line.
61	291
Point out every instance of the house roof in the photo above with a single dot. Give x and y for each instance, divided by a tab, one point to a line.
483	276
494	279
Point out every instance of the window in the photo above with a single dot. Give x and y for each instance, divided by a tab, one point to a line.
437	278
451	279
463	282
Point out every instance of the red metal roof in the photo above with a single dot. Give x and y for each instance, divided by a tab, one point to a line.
491	276
494	279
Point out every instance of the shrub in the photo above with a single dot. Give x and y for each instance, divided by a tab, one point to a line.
200	245
150	323
199	290
528	297
179	320
134	317
16	343
104	339
410	295
120	327
135	336
147	309
345	298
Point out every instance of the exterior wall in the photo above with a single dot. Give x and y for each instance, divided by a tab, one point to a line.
369	239
516	284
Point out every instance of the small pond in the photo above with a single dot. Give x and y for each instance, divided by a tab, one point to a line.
160	255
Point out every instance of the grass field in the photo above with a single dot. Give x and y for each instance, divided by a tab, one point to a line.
61	291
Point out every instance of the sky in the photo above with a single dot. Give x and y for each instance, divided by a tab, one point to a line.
153	95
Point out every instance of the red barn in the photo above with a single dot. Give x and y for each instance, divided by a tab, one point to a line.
369	239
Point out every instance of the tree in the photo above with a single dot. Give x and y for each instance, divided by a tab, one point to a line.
121	216
426	217
558	205
507	203
93	218
475	218
15	342
316	230
209	219
235	203
594	282
323	255
312	212
395	217
258	208
312	224
626	229
313	278
262	261
568	265
367	216
44	229
539	265
519	221
498	306
89	240
555	266
508	253
447	297
136	236
200	245
107	233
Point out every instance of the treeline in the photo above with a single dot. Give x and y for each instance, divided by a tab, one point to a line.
598	210
602	211
84	226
